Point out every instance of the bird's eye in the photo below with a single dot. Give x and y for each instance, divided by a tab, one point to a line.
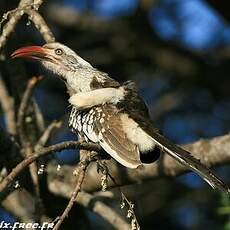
59	51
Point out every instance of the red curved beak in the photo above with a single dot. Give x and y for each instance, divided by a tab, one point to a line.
32	52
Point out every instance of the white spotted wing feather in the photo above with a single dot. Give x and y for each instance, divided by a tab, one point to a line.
103	125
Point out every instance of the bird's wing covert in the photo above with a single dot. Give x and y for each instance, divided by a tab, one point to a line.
112	138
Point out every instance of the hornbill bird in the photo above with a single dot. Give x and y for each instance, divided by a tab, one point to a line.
111	114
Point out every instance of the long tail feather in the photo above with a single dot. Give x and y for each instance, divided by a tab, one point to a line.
191	162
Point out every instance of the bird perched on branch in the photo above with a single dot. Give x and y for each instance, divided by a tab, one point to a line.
111	114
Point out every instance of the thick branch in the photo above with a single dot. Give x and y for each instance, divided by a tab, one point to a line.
21	205
213	152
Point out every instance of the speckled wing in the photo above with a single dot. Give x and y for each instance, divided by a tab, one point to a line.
113	139
102	125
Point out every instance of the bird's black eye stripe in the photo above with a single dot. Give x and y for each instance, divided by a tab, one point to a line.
59	51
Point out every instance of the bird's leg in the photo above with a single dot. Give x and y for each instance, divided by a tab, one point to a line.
102	167
85	100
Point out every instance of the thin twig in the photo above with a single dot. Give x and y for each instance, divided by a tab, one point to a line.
9	27
14	17
22	109
85	159
38	116
7	103
89	201
25	142
8	180
84	163
124	200
46	134
30	7
41	25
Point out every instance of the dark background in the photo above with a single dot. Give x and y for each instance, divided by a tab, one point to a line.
177	52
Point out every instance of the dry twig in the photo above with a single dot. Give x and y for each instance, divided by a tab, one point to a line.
7	103
124	200
46	134
27	147
29	7
22	111
91	202
83	165
8	180
38	116
41	25
14	16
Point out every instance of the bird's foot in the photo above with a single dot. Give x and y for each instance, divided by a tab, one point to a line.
102	168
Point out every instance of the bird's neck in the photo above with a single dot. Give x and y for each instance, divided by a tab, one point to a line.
79	81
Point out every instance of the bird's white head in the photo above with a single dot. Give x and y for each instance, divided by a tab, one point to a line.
55	57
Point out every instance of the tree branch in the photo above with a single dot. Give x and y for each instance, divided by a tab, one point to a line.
7	103
41	25
83	165
14	16
46	134
90	202
31	158
213	152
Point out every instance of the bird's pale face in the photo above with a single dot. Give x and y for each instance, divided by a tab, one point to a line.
55	57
